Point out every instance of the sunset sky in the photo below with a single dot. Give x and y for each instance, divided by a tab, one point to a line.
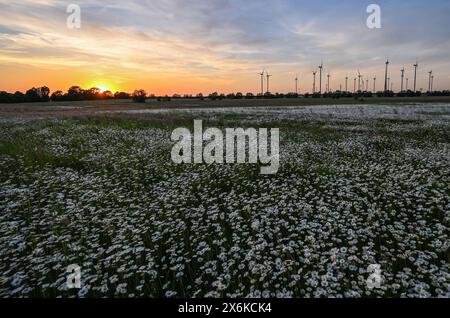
191	46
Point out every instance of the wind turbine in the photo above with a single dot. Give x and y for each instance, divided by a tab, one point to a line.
320	69
374	84
407	80
403	77
346	83
367	85
328	82
262	82
296	84
386	84
354	85
268	78
415	74
314	83
359	81
429	80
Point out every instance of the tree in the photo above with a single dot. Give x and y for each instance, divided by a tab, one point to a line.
92	93
75	93
213	96
32	95
121	95
5	97
44	93
57	96
107	95
19	97
139	96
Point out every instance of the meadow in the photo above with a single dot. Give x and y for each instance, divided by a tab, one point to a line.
358	185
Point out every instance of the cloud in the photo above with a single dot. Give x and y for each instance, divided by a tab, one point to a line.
222	39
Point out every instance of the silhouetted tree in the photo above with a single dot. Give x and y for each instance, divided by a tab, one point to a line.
107	95
75	93
213	96
139	96
44	93
122	95
19	97
57	96
32	95
91	94
5	97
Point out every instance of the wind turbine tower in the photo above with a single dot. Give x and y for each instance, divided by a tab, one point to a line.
262	82
386	84
429	80
403	77
415	75
320	76
374	84
359	81
296	84
354	85
314	83
346	83
268	79
328	82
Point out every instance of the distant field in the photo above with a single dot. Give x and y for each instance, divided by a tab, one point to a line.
91	108
358	185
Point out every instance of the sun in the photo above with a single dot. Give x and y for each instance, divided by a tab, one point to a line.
103	88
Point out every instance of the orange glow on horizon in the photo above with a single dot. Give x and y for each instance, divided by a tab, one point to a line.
102	85
103	88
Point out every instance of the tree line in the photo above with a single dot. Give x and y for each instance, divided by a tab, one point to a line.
76	93
41	94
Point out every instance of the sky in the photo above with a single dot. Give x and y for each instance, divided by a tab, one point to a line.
192	46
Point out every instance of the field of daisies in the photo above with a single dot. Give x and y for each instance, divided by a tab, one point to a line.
358	185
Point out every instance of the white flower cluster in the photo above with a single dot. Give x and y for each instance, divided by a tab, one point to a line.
351	191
